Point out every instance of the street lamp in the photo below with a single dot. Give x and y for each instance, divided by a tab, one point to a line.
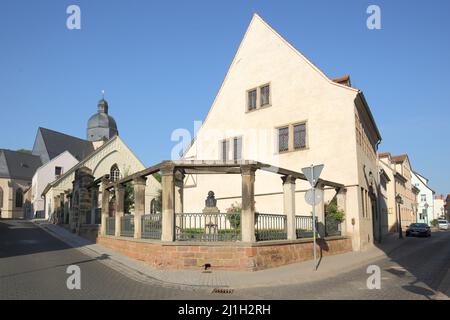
399	201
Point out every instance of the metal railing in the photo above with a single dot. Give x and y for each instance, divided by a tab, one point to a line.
332	227
304	226
208	226
151	226
127	225
270	227
111	226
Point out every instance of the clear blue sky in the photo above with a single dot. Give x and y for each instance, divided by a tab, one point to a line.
166	60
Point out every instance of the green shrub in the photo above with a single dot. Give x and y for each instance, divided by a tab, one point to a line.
334	212
234	215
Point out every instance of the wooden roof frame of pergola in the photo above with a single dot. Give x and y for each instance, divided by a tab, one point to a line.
214	167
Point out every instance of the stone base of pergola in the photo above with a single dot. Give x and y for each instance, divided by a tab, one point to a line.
244	246
237	256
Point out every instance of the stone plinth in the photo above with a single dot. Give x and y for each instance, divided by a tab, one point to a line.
224	256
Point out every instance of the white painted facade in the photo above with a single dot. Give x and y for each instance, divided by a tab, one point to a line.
425	198
299	94
438	207
46	174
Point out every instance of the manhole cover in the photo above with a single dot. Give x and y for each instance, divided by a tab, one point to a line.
223	291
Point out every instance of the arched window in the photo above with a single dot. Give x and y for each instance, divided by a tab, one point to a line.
114	173
19	198
1	198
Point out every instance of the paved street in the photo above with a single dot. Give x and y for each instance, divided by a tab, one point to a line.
415	270
33	266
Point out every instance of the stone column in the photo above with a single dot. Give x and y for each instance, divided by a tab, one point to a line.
248	203
341	199
94	202
57	208
289	206
179	183
62	210
320	211
119	190
139	205
168	197
66	206
69	207
105	206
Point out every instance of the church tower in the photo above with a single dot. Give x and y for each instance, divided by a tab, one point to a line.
101	125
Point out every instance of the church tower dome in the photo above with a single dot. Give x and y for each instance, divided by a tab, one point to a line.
101	125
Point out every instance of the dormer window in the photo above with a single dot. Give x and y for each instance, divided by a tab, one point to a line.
58	171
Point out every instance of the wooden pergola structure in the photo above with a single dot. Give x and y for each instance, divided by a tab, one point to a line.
172	177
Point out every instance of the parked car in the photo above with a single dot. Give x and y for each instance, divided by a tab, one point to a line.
418	229
443	224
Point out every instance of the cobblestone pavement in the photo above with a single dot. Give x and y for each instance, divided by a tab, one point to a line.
420	269
33	266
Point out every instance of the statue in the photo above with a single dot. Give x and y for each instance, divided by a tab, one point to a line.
211	217
210	201
211	204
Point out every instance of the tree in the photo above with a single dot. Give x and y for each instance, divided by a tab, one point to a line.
334	212
128	201
158	201
157	176
24	151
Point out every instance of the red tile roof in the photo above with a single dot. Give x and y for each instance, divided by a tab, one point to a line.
399	158
345	80
384	154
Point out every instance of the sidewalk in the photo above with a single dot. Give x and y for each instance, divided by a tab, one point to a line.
291	274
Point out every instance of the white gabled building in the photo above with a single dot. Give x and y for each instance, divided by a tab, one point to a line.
45	174
439	207
276	107
425	198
